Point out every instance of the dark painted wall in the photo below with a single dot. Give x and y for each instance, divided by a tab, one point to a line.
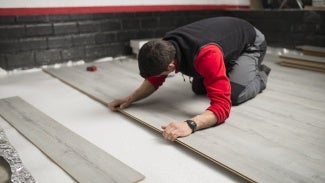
32	41
288	28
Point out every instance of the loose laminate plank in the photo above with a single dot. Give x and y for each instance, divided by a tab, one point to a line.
268	139
306	58
302	66
304	63
79	158
312	50
308	62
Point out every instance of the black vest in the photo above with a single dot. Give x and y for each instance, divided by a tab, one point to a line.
230	34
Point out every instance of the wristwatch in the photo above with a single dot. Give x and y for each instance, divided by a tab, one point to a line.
192	124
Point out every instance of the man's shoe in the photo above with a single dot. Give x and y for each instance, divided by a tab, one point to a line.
266	69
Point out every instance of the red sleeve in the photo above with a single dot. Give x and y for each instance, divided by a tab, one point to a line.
210	65
157	81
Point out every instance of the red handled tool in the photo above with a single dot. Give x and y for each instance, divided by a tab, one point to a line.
92	68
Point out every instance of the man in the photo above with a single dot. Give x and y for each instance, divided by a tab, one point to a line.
223	55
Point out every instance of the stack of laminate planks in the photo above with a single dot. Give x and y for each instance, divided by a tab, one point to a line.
312	50
313	58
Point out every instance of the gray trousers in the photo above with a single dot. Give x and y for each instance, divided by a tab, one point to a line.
247	77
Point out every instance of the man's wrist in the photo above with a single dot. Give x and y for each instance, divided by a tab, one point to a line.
192	124
129	99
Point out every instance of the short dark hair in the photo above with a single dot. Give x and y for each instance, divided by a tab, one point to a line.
155	56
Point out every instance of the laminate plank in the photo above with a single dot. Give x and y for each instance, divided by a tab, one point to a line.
307	58
276	137
79	158
304	63
313	63
308	62
312	50
303	66
285	74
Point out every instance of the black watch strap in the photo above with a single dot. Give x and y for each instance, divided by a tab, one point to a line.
192	124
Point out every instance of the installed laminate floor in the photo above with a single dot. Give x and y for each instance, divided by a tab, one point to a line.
276	137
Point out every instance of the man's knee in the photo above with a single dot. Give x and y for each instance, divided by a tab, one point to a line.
198	86
241	94
236	90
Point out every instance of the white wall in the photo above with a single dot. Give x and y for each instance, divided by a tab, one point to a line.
80	3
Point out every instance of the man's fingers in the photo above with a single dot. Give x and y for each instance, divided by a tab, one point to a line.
118	103
124	105
175	129
170	133
113	106
172	136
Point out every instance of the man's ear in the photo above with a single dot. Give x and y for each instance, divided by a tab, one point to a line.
171	66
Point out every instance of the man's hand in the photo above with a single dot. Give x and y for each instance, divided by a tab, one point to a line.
122	103
176	129
143	91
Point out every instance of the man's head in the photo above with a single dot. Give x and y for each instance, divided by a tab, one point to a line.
155	57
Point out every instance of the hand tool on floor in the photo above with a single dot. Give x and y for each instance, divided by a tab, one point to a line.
92	68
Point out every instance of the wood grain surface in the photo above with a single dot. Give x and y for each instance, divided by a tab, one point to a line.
276	137
79	158
301	66
306	58
312	50
308	62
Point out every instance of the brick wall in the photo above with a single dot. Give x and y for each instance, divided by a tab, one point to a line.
287	28
32	41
